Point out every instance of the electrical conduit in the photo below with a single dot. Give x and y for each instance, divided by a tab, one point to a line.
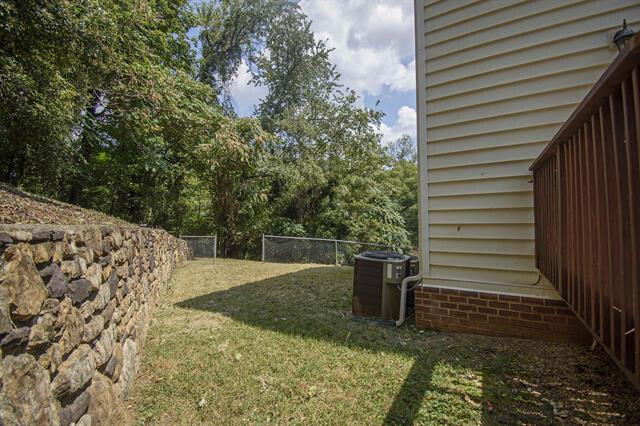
403	296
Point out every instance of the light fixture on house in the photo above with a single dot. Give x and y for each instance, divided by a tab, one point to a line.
621	37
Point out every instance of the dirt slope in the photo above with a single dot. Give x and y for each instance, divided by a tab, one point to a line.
20	207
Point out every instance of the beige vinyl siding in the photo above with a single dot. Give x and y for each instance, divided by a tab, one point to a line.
496	80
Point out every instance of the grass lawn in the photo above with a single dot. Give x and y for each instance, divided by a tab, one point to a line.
243	342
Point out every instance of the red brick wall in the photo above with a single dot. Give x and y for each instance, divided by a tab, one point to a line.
497	314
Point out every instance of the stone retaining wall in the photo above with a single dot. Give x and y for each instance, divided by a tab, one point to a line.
75	304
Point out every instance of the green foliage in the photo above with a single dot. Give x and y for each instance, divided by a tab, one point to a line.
403	178
237	185
47	65
332	175
108	105
101	108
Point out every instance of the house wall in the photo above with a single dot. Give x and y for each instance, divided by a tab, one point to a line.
496	80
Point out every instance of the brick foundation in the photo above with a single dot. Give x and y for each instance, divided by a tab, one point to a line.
497	315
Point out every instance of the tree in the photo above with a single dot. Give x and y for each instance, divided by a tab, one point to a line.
403	149
237	185
107	105
330	180
402	176
233	31
321	172
100	106
45	81
295	68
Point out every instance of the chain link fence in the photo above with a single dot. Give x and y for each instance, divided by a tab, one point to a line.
282	249
202	245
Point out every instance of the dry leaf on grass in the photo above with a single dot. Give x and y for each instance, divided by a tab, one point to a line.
203	401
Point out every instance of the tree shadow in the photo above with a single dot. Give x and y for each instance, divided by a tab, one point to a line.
408	400
521	381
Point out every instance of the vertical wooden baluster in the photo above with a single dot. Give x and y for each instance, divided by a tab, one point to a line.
576	227
536	216
567	216
547	234
548	222
635	81
556	218
553	218
541	216
581	234
598	277
617	146
590	261
536	221
561	224
543	231
605	146
570	222
631	256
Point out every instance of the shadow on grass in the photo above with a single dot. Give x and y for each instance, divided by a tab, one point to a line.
521	381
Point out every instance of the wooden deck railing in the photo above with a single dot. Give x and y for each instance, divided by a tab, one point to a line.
587	210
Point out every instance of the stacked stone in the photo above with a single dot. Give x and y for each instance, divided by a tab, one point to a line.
75	304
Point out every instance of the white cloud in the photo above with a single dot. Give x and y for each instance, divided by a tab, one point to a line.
244	94
373	41
405	124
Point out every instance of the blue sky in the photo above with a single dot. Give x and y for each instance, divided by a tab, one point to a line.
373	42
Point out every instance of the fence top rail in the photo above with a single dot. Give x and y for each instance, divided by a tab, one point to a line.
615	73
197	236
327	239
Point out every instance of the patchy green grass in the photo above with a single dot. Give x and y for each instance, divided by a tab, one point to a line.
243	342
